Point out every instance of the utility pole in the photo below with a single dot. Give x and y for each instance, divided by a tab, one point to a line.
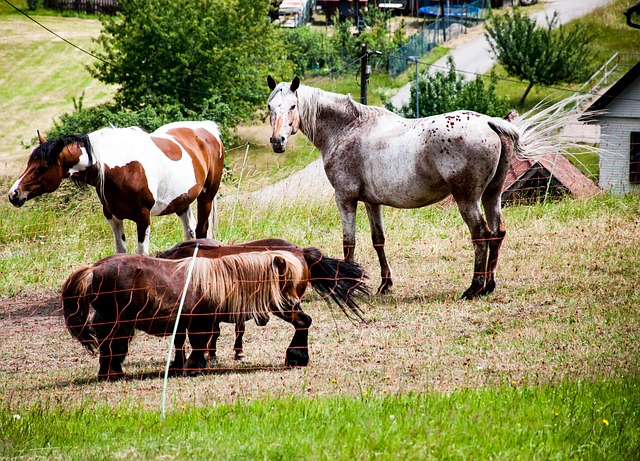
416	59
365	72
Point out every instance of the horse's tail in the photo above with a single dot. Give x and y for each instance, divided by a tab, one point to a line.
75	304
539	131
340	281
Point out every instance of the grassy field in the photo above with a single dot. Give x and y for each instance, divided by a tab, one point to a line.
577	420
34	97
544	368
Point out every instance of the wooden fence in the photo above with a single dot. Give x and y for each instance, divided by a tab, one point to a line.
84	6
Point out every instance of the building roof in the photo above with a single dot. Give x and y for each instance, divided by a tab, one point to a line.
564	172
616	89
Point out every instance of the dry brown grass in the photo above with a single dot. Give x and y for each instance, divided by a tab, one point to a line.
565	306
41	85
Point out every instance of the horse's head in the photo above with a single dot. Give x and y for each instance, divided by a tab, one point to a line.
48	164
292	276
284	112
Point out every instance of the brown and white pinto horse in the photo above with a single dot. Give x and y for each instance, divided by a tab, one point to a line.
136	175
340	283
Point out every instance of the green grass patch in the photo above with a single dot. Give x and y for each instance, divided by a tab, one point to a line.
574	419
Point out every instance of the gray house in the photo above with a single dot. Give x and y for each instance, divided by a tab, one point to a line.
619	133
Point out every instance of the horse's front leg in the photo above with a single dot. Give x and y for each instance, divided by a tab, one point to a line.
207	214
374	212
213	341
143	225
298	350
117	227
199	337
347	210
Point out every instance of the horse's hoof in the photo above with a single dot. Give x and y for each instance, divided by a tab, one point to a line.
489	287
470	294
240	358
262	320
297	358
384	288
195	372
113	377
175	372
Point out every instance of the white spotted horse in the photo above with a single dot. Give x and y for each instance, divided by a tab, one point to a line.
374	156
136	175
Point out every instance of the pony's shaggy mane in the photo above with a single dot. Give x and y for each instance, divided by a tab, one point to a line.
246	283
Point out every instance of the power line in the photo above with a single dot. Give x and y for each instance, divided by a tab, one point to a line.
52	32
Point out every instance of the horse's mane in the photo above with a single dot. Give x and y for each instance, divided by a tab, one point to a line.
309	106
49	151
243	284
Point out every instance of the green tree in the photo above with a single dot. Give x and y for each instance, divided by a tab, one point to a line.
540	55
445	92
193	53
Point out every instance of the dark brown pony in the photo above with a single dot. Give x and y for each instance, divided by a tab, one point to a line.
136	292
336	281
136	175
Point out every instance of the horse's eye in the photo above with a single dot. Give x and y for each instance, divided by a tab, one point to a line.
41	170
293	107
269	107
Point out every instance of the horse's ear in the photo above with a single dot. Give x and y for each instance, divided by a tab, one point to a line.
271	82
41	138
295	84
280	264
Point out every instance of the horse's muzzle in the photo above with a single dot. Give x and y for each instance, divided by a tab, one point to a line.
15	199
278	145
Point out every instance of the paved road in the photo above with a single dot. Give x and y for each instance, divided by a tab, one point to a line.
473	56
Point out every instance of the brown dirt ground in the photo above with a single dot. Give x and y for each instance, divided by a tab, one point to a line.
418	339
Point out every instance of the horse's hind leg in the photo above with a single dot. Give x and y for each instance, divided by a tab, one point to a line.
188	222
377	238
491	202
114	346
480	237
237	345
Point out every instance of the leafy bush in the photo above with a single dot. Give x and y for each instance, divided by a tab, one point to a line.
149	118
308	49
185	52
447	92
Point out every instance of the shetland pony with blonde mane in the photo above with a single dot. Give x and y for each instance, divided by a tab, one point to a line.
340	283
136	292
